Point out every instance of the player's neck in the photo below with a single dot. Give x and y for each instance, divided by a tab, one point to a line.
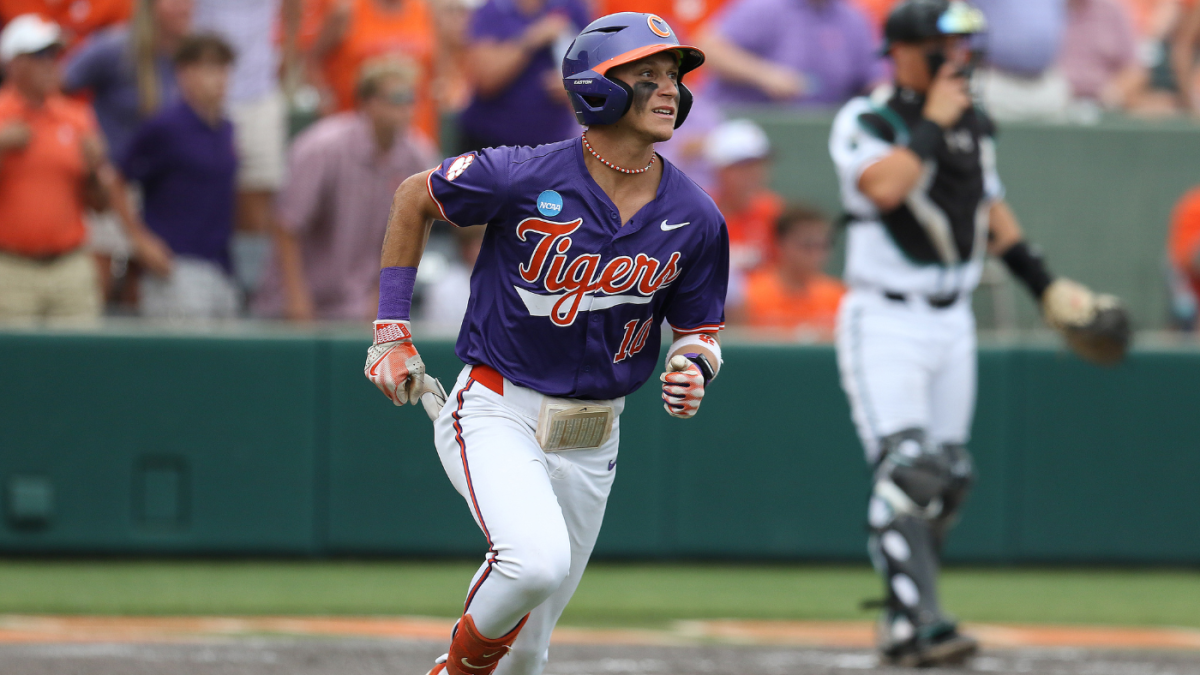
619	148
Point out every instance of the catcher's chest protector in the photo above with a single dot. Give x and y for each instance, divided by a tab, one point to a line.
944	221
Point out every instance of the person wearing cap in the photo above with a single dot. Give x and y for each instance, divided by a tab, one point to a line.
740	152
76	19
593	245
52	166
917	168
341	175
800	53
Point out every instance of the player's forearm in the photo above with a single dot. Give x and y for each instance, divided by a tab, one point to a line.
413	212
1006	240
731	61
493	66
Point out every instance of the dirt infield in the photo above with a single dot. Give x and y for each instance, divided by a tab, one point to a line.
290	656
32	645
828	634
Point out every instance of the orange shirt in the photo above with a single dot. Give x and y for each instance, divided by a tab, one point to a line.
686	17
877	10
78	18
373	32
770	304
1183	242
41	186
752	232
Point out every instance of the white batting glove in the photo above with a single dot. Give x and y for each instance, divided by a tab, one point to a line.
683	387
394	365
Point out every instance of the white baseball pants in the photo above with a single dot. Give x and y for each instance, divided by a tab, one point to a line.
540	512
907	365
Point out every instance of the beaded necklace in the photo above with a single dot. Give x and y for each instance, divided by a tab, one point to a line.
612	166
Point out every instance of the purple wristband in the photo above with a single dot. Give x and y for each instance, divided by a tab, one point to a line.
395	292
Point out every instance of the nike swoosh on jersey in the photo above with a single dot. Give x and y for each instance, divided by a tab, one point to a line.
467	663
667	228
542	305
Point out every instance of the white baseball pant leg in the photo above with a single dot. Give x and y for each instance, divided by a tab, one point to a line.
906	365
540	512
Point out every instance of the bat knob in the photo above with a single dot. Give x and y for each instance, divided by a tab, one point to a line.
679	363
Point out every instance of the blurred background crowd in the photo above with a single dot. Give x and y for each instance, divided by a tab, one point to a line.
219	159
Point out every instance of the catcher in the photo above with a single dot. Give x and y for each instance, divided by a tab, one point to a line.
917	170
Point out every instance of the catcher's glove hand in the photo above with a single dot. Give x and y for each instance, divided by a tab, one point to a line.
1096	326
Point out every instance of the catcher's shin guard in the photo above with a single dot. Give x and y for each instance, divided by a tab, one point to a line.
917	493
474	654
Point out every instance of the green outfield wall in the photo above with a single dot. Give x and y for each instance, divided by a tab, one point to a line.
276	444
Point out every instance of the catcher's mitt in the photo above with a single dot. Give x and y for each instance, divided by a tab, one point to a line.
1096	326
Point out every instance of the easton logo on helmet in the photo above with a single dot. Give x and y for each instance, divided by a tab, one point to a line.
660	27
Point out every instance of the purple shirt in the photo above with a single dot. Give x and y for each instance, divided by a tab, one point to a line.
336	201
831	43
565	300
187	170
1023	36
1100	42
103	65
524	113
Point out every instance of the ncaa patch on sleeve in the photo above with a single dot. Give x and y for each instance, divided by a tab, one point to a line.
549	203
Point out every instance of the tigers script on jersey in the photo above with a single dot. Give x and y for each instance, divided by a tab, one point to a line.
564	299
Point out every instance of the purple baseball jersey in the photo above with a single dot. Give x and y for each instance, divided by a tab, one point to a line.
564	299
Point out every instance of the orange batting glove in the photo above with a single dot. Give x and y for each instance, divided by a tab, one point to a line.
393	363
683	387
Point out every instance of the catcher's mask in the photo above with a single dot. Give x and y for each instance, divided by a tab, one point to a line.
612	41
914	21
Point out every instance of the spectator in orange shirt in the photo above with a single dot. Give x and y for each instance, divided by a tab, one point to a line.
794	296
1183	254
877	10
51	160
686	17
740	153
346	33
76	19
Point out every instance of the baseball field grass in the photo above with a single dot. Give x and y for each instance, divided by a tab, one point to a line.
611	594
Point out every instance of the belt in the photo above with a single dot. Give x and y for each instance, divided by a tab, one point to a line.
42	258
488	377
934	301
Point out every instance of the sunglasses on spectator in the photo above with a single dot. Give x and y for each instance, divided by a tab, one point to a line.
400	97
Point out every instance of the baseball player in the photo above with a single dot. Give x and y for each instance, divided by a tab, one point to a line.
591	243
917	169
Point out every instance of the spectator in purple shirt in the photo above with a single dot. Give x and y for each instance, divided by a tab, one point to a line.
805	53
185	161
1023	41
513	63
334	206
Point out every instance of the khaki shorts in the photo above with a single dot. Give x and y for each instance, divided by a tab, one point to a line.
260	131
196	290
60	292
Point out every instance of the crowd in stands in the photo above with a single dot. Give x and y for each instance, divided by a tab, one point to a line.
152	161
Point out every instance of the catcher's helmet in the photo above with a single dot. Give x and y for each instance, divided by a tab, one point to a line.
615	40
917	20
